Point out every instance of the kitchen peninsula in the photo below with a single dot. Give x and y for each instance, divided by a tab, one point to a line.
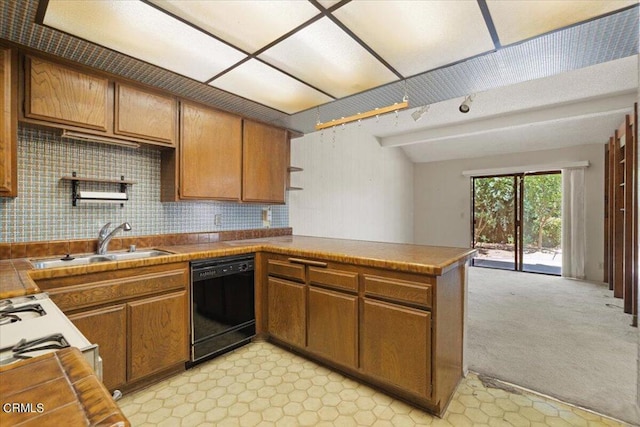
389	314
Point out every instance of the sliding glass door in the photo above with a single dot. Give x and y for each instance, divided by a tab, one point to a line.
542	223
516	222
494	221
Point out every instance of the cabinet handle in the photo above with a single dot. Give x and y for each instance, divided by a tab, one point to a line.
308	262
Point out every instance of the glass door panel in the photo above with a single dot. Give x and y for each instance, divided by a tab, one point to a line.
494	221
541	223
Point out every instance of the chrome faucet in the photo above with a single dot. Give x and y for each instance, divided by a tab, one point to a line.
104	238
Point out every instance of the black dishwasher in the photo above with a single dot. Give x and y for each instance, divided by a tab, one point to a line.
222	306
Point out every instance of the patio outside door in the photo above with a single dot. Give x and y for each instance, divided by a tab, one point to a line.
517	222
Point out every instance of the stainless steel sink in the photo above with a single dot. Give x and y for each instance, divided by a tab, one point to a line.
92	258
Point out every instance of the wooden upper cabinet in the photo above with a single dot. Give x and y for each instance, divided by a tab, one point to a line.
210	154
143	114
64	95
265	158
8	124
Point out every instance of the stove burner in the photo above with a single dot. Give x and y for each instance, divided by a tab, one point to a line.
20	300
22	349
11	314
6	318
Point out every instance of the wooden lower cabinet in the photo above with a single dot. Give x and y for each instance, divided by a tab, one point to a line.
397	330
105	327
138	317
396	345
333	325
287	311
156	334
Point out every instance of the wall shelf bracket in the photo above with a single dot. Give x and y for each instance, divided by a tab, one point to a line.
79	196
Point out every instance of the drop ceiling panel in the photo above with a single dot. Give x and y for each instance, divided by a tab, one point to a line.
416	36
266	85
521	20
323	55
132	28
248	25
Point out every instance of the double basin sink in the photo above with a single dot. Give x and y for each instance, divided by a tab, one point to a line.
71	261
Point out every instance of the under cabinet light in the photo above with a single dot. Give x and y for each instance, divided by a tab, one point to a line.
97	138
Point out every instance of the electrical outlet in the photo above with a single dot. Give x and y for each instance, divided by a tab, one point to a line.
266	217
217	220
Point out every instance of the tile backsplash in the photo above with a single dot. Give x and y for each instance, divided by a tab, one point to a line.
43	209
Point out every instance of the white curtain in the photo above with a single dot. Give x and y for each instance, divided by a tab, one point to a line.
573	223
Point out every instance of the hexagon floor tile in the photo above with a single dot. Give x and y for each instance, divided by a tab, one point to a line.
263	385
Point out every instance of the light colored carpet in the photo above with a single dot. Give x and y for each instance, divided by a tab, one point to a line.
565	338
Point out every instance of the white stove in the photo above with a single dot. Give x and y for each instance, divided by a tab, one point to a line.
33	325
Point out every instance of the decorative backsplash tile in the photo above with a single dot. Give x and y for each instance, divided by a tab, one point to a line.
43	209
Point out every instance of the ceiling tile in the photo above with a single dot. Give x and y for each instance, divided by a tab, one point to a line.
131	27
266	85
248	25
416	36
521	20
323	55
328	3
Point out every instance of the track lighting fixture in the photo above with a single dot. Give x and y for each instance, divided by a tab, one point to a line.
417	115
466	104
357	117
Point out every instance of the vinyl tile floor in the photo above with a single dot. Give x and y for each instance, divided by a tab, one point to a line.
263	385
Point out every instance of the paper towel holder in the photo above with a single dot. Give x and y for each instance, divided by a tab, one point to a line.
98	196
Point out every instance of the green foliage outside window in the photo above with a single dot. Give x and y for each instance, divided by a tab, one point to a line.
494	211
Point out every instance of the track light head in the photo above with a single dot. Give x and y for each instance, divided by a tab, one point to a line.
466	104
419	113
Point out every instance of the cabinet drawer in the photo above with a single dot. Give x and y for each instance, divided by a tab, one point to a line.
94	293
399	290
286	270
347	280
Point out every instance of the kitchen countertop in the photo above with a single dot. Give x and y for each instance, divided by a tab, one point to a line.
62	390
17	275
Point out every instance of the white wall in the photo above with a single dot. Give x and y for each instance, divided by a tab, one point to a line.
442	197
353	188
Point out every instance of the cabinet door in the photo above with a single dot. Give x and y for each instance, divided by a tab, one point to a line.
64	95
107	328
333	325
158	334
142	114
211	154
265	157
287	311
8	124
396	346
